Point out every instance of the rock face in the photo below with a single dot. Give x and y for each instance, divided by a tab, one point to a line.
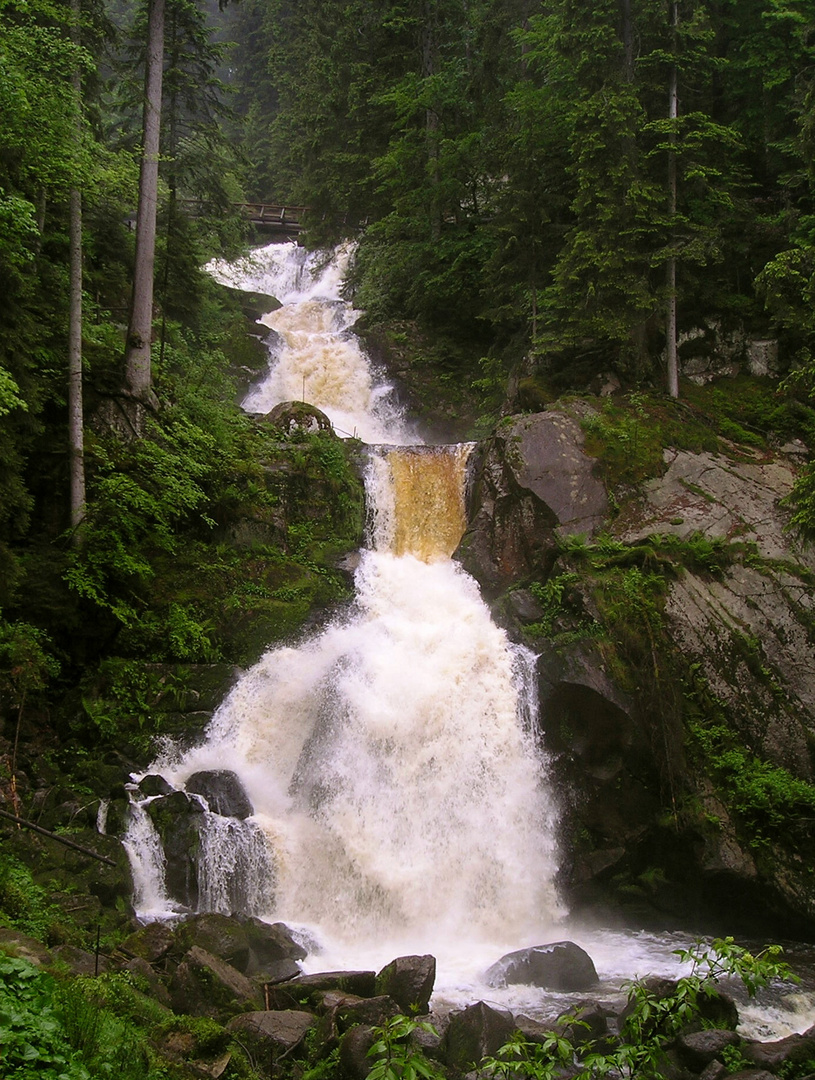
645	826
560	966
533	482
177	819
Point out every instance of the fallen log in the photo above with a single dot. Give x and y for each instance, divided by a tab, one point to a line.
55	836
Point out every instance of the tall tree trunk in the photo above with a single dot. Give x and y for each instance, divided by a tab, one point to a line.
429	49
76	426
670	275
627	37
138	374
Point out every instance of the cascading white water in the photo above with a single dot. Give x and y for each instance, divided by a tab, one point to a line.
389	759
147	865
315	357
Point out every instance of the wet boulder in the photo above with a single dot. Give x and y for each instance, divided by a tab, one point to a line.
374	1012
354	1061
153	784
696	1049
272	949
309	987
216	934
793	1050
713	1009
177	819
223	791
561	965
151	942
203	985
271	1033
533	483
409	981
476	1032
293	416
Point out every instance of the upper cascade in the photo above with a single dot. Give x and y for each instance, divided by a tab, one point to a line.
314	356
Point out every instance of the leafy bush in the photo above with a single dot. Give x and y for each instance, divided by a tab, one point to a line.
396	1057
24	905
767	797
61	1031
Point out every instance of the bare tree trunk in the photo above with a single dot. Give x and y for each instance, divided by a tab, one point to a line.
627	36
138	374
670	276
429	48
76	425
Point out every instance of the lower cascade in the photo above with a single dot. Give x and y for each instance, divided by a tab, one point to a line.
391	760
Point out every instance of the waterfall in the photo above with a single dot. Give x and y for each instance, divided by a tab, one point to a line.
391	760
314	355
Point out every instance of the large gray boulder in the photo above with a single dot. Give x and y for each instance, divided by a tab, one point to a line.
354	1046
374	1011
795	1049
203	985
271	947
409	981
272	1033
218	935
476	1032
697	1049
310	987
561	965
533	482
151	942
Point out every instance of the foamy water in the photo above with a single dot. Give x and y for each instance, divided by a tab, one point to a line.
314	356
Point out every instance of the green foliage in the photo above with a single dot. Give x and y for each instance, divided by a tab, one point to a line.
395	1057
27	661
31	1033
24	904
650	1020
68	1030
769	801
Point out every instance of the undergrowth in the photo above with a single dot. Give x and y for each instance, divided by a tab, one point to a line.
770	803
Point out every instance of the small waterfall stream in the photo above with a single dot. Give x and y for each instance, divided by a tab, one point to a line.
400	801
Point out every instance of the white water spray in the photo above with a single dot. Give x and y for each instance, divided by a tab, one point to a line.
391	760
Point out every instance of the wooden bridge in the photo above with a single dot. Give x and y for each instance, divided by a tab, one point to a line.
269	217
273	218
